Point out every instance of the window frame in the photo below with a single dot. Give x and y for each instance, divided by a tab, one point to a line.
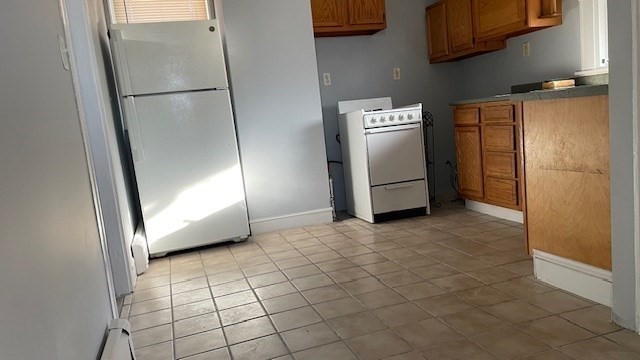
594	37
111	14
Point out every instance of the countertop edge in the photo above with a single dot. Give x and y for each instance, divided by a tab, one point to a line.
577	91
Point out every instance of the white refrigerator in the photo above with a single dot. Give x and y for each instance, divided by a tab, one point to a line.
174	93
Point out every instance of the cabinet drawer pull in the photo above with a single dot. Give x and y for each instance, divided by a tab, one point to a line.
397	186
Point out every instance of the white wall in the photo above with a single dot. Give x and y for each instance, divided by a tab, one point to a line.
555	53
273	74
623	126
362	67
87	22
55	301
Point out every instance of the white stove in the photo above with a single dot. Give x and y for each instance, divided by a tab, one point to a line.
384	159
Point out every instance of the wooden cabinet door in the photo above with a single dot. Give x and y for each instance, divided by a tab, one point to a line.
327	13
437	31
496	18
459	25
365	12
469	156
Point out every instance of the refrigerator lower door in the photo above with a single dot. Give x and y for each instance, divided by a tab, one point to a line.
187	169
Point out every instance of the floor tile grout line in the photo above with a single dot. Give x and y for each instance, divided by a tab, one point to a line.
173	323
255	294
215	306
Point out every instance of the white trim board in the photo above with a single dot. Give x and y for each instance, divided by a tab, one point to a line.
581	279
313	217
497	211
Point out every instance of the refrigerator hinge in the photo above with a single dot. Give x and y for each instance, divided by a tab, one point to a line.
64	52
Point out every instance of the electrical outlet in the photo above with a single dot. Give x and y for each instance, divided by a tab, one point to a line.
327	79
526	49
396	73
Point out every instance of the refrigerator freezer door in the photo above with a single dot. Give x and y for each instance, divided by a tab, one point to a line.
187	169
168	57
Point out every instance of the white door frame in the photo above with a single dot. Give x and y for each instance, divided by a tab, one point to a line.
101	141
88	153
624	126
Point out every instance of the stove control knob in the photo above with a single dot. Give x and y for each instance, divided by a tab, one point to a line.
400	117
383	119
392	118
410	116
373	120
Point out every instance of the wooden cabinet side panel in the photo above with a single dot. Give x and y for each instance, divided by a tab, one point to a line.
437	37
495	18
459	25
469	158
566	149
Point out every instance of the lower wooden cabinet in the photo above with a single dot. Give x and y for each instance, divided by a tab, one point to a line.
488	153
566	148
469	154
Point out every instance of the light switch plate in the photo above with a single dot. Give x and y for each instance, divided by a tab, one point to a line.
526	49
396	73
327	79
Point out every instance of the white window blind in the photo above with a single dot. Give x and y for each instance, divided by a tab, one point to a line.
143	11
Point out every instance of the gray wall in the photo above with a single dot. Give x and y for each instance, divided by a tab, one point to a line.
55	299
91	47
273	75
555	53
623	125
362	67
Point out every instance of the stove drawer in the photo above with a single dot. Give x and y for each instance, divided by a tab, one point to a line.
402	196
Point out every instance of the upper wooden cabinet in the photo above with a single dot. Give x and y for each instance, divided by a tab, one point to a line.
506	18
437	31
457	29
327	13
450	33
459	25
348	17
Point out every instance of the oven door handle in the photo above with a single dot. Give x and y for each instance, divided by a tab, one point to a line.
391	128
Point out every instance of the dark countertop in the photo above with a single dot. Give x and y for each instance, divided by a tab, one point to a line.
590	85
506	97
577	91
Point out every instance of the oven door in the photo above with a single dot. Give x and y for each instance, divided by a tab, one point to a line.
396	154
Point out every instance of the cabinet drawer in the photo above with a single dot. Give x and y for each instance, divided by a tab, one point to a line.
498	114
500	164
402	196
466	116
499	137
501	192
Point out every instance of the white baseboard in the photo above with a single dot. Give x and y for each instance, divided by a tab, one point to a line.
497	211
581	279
307	218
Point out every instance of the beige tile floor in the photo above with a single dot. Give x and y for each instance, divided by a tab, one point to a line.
454	285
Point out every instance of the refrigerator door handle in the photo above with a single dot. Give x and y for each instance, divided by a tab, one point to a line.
135	138
119	53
